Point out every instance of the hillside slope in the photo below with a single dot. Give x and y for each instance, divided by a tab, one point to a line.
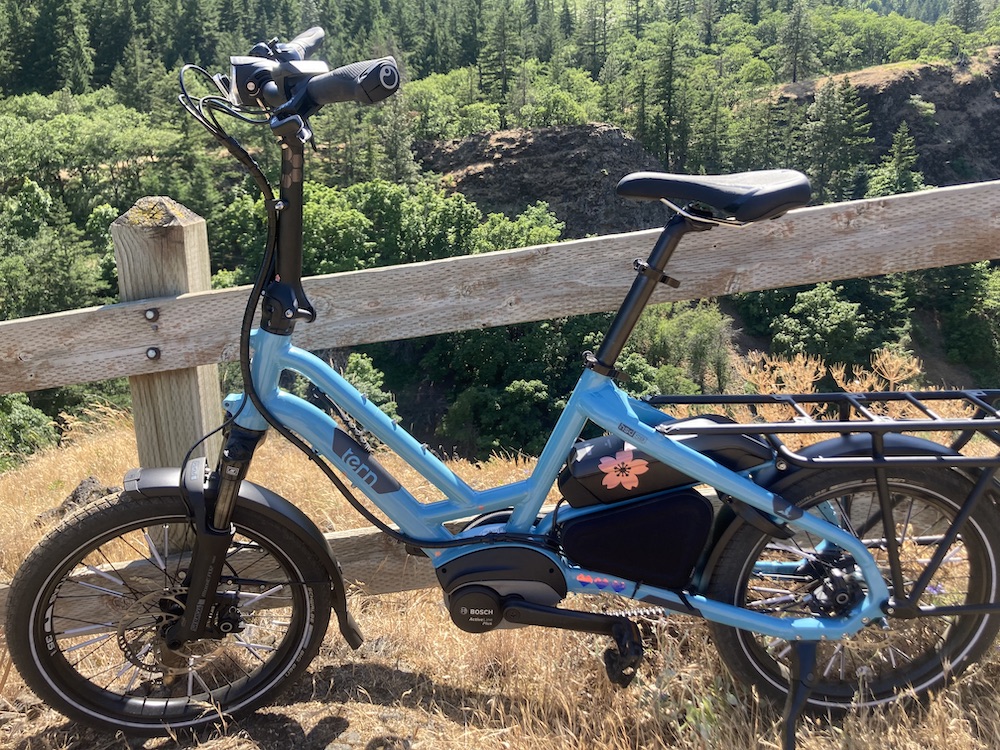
572	168
952	112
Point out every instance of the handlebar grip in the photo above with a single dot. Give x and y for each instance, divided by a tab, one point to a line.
366	82
304	44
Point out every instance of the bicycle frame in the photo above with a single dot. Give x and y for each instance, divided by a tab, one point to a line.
596	399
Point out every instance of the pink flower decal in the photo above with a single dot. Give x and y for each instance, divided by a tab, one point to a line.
622	469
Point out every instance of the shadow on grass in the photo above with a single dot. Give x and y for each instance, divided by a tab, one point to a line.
280	729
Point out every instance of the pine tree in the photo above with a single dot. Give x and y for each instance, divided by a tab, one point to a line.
112	26
567	20
708	14
501	50
20	21
668	85
837	141
797	42
469	29
196	30
896	173
589	38
966	14
396	138
60	56
134	77
6	58
547	39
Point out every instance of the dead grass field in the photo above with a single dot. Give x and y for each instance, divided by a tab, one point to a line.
419	682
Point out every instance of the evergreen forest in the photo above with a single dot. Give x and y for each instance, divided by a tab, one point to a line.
89	123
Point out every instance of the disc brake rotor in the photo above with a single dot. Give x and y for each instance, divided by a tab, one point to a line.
140	636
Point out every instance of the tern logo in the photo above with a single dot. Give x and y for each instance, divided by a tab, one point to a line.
362	465
632	434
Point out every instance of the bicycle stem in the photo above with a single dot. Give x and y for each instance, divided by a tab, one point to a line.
284	300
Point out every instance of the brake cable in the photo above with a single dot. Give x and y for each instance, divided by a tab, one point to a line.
204	113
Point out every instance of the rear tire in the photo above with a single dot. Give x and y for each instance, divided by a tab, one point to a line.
890	657
87	607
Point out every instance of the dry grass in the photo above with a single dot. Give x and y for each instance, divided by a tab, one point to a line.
419	682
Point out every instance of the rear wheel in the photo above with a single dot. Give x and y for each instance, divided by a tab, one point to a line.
89	607
805	577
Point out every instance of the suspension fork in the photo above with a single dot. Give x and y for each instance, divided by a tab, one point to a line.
212	500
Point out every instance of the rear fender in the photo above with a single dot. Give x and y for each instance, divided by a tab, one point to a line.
780	481
161	482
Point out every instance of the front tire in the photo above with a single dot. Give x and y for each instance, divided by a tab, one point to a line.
87	609
797	578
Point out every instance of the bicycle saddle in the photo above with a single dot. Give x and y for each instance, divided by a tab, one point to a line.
745	196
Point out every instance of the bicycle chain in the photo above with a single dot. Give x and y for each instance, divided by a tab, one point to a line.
642	613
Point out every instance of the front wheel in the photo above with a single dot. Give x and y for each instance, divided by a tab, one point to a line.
807	577
88	609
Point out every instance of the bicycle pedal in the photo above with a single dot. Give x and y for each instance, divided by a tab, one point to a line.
622	661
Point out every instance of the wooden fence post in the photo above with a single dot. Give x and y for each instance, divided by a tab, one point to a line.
161	249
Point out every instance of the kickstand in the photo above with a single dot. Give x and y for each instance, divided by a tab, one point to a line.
803	679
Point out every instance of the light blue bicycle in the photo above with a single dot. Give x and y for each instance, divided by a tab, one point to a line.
848	573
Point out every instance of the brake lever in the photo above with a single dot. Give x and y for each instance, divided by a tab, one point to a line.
224	84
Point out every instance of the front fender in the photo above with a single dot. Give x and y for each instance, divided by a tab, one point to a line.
166	481
780	481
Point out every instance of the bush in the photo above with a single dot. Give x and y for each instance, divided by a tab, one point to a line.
23	430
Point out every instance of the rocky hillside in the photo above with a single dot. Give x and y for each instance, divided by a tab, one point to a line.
574	169
953	113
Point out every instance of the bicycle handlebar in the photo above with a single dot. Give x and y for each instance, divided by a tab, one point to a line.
279	76
304	44
366	82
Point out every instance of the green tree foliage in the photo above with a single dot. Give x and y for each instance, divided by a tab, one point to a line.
57	52
23	430
485	421
376	223
502	48
821	322
797	42
46	265
966	14
895	173
689	345
836	132
965	301
84	150
361	372
510	383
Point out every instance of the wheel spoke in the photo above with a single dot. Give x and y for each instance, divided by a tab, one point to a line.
891	657
106	587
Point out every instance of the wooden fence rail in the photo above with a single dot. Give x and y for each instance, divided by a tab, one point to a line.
939	227
947	226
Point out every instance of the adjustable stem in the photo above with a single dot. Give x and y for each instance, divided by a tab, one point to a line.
285	301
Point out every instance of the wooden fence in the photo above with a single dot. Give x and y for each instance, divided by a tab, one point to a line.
173	326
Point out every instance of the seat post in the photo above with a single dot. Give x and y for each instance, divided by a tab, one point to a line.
642	289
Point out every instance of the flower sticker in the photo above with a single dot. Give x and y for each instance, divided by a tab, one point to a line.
622	469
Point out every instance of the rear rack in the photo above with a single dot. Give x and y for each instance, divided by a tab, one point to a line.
961	414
